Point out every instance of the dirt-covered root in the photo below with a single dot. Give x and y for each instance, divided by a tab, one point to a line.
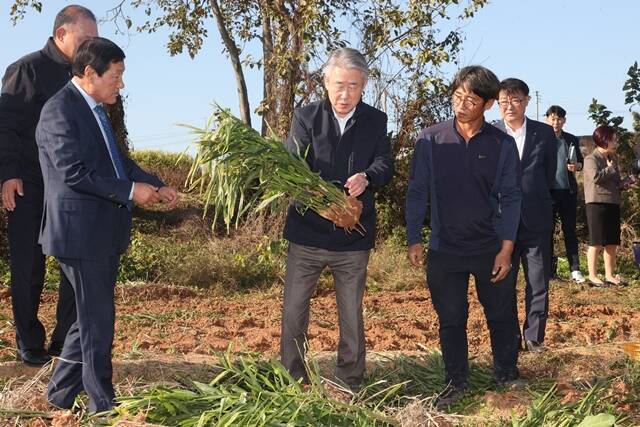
346	217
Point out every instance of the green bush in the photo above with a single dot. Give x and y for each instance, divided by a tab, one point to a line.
230	264
172	168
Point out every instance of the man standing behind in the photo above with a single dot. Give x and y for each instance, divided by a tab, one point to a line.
89	189
466	170
347	143
536	144
26	86
564	190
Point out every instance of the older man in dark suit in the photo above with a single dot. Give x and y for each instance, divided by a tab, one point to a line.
536	147
346	142
89	190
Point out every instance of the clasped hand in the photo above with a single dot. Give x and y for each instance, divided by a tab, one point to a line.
146	195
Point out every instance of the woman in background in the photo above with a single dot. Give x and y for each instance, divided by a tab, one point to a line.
602	186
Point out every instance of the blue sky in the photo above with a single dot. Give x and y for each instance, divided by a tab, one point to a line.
570	51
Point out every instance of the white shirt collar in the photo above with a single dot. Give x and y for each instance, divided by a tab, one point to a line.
92	102
342	121
519	135
518	132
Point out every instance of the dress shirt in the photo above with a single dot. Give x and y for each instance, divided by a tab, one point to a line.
92	104
342	121
519	135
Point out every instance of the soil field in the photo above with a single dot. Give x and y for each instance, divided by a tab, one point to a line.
163	329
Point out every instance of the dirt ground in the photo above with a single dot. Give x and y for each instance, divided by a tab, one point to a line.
171	320
183	329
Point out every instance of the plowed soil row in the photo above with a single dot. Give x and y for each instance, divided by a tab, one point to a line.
171	320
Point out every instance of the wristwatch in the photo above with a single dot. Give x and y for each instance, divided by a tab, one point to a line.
366	176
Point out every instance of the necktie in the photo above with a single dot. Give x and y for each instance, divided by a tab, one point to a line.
111	142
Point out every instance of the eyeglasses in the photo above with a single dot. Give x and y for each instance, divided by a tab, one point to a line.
465	102
516	102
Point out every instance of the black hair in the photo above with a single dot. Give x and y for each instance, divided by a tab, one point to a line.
557	110
98	53
479	80
513	85
70	14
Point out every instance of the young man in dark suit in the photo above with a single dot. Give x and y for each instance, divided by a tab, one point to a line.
564	190
535	142
90	187
27	84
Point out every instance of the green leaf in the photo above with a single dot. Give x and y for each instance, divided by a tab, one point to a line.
600	420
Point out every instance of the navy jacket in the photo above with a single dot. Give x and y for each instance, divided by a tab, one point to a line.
85	205
473	190
538	169
364	147
573	141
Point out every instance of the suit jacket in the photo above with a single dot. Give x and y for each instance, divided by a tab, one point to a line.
86	207
573	141
538	168
601	182
363	147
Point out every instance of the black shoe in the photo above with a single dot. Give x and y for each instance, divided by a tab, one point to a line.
533	346
55	349
450	396
37	357
510	379
355	388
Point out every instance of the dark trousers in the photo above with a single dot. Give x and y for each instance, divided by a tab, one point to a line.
85	362
349	269
448	282
564	207
27	275
532	250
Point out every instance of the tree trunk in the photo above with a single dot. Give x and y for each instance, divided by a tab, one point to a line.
267	107
234	56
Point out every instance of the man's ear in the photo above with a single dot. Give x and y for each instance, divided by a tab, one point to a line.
489	104
60	34
89	72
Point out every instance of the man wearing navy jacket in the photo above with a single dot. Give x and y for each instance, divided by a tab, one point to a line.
90	187
536	148
466	171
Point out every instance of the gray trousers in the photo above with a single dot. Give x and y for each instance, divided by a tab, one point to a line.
349	269
533	251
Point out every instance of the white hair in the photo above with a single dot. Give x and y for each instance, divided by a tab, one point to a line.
347	58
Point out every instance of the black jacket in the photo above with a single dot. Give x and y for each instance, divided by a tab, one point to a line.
572	140
364	147
27	84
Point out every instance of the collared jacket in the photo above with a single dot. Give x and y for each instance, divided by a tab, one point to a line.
537	169
572	141
27	84
473	190
363	147
601	182
85	213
